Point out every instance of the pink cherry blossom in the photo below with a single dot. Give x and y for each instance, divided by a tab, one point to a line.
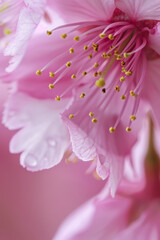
18	21
134	212
112	63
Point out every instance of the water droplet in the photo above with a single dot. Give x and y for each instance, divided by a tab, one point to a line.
30	161
52	142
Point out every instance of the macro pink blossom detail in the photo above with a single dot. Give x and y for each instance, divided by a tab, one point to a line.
109	63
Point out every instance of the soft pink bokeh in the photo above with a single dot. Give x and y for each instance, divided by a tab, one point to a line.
32	205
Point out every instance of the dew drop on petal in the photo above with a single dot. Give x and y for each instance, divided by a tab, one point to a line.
30	161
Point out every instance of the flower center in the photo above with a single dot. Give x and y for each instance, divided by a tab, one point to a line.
96	50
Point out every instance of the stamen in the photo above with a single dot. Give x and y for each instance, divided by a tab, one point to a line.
76	38
64	35
71	116
123	97
71	50
91	114
122	79
132	93
94	120
39	72
102	35
111	37
58	98
68	64
90	56
84	73
73	76
100	83
128	129
133	117
117	88
96	65
82	95
49	32
51	74
112	129
85	47
51	86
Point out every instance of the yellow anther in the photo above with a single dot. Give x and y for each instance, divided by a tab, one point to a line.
64	35
133	117
128	129
94	120
122	79
86	47
7	31
68	64
84	73
117	88
112	129
96	65
90	56
82	95
119	57
116	52
100	82
76	38
71	50
123	69
95	74
123	97
111	37
71	116
128	73
123	63
103	90
104	55
132	93
73	76
51	86
58	98
39	72
102	35
49	32
108	55
91	114
51	74
111	47
126	55
95	47
99	73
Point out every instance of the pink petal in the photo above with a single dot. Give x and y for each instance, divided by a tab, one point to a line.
152	87
140	9
97	220
93	141
43	138
29	18
84	10
154	39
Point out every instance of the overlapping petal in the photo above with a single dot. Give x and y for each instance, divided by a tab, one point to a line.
29	17
43	137
140	9
84	10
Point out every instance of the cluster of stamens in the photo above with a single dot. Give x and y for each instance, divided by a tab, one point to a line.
105	48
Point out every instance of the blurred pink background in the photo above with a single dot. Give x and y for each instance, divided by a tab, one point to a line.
32	205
